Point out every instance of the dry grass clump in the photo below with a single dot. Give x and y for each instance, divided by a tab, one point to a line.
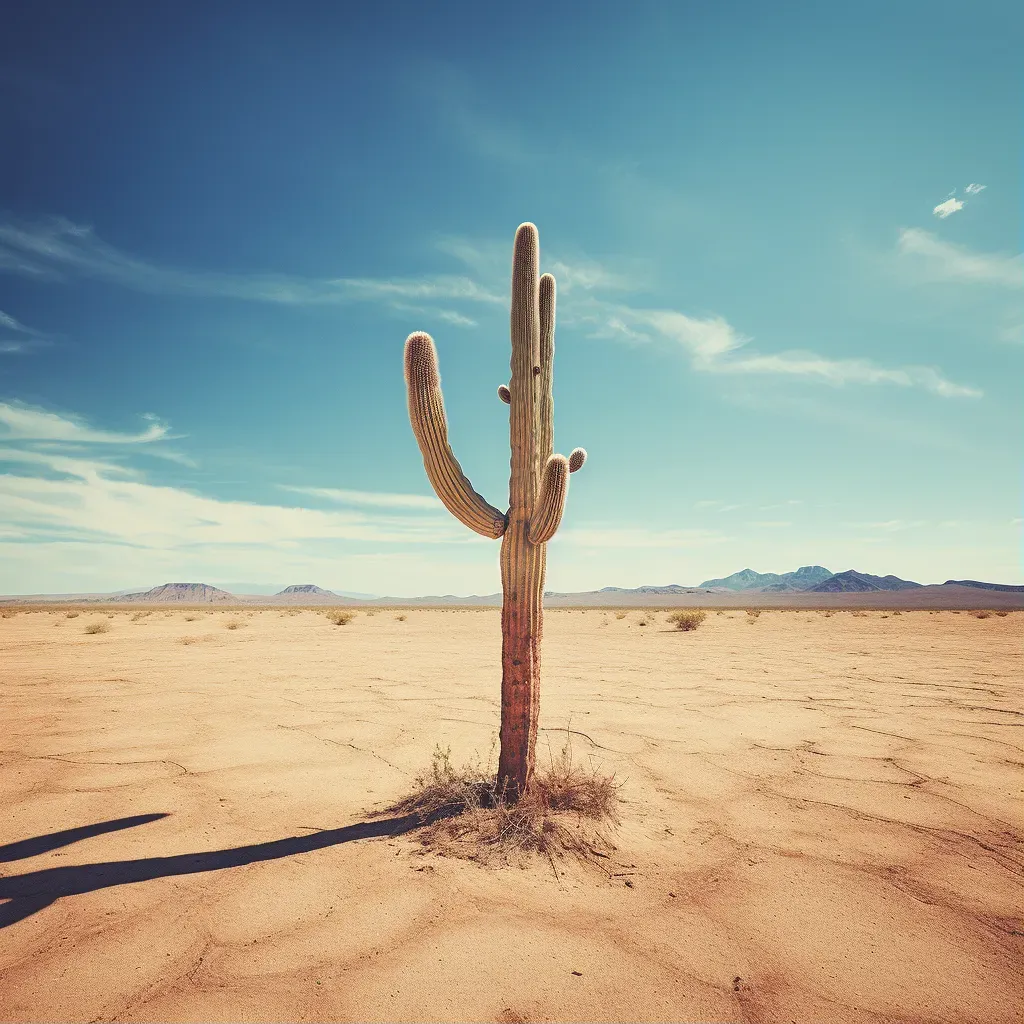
1003	613
340	616
98	627
236	624
72	615
687	619
644	619
620	615
982	615
565	812
191	618
7	614
139	616
401	618
752	614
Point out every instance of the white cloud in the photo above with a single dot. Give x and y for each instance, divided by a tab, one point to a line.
86	499
372	499
947	261
715	346
973	189
23	422
949	207
58	247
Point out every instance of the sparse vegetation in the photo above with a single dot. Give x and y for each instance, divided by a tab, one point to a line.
982	615
687	619
620	615
98	627
72	615
340	616
401	618
752	614
565	810
191	618
1002	613
236	624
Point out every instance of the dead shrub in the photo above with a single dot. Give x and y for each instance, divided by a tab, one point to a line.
687	619
73	615
98	627
191	618
565	812
1002	614
982	615
236	624
340	616
752	614
401	618
620	615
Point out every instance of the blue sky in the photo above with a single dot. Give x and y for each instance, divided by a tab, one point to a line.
787	243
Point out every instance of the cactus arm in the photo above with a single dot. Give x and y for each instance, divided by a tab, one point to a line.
576	459
554	487
504	394
430	425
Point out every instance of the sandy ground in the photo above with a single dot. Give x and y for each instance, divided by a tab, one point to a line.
823	820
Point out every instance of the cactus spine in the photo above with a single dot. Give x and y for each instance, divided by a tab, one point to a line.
538	486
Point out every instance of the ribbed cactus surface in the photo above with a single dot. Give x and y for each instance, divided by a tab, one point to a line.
538	486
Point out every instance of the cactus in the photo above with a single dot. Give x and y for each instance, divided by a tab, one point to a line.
538	486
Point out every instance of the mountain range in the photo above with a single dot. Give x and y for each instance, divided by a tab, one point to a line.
743	585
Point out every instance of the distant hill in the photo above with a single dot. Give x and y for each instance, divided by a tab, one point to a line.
804	578
305	588
191	593
852	581
1006	588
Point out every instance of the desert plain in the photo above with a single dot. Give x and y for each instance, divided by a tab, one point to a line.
822	818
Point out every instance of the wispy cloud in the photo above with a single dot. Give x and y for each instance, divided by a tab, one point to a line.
951	204
27	337
948	208
948	261
58	248
371	499
717	505
93	500
23	422
715	346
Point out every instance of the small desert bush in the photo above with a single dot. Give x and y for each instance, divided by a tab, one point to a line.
98	627
370	612
565	810
401	618
73	615
139	616
859	613
982	615
236	624
687	619
752	614
620	615
7	614
1002	614
340	616
191	618
644	620
896	611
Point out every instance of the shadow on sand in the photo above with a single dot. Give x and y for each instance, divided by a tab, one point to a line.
29	893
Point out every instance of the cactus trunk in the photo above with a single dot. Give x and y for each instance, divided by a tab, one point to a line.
537	490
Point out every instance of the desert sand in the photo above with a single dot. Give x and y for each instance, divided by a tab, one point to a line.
822	819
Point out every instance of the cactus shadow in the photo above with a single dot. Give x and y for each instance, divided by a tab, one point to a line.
28	893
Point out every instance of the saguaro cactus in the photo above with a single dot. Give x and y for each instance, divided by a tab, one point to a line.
537	490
